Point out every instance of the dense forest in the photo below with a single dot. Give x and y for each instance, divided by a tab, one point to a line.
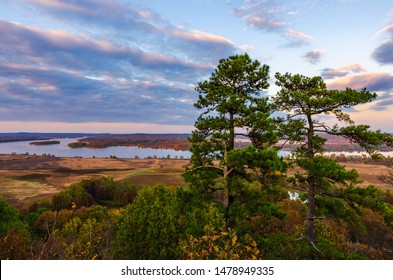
240	203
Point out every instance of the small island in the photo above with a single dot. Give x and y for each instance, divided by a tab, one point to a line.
41	143
78	144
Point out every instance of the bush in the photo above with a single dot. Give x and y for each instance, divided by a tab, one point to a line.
149	228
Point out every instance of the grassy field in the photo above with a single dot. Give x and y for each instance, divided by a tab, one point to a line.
27	179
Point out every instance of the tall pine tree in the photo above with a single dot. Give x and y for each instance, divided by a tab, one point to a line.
231	105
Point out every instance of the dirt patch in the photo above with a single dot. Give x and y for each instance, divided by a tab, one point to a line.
22	193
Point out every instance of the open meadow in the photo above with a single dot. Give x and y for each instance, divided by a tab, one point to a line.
25	179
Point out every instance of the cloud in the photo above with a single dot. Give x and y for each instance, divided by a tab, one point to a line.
382	82
297	38
383	54
331	73
314	57
293	13
57	76
263	23
379	82
46	95
101	12
136	26
246	48
384	103
387	29
260	15
197	45
103	61
268	15
62	49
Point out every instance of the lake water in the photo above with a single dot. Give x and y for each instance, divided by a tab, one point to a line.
62	150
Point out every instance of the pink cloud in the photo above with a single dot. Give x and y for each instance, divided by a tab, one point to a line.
196	35
262	22
386	29
297	35
35	42
331	73
373	81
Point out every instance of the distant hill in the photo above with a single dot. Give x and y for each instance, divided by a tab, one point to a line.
32	136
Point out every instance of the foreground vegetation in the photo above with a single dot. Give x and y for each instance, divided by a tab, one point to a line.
160	222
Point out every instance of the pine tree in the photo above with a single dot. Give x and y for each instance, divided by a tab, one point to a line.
305	100
231	105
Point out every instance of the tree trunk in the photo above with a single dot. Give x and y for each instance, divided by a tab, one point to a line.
227	175
231	144
229	198
228	220
310	227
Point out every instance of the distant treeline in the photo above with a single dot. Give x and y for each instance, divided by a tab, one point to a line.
27	136
177	142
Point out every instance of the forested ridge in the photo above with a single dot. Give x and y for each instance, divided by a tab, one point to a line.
240	203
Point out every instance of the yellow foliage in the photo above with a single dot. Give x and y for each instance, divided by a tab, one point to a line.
234	238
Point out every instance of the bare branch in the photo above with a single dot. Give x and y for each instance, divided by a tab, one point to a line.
315	247
205	166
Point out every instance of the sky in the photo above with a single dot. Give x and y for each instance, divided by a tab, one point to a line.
128	66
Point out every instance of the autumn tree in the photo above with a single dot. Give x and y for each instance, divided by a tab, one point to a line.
306	100
231	105
75	195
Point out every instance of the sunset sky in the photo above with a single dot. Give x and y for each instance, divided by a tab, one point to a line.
125	66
